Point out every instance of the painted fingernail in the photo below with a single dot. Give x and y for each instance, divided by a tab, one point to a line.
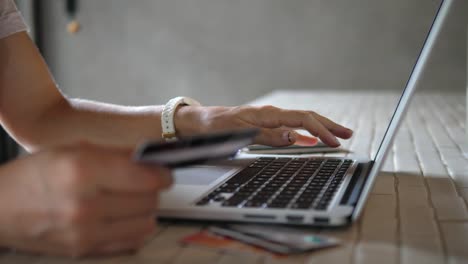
289	136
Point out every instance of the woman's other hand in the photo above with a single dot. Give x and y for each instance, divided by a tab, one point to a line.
79	200
276	125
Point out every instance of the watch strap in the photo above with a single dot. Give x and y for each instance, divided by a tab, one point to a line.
167	116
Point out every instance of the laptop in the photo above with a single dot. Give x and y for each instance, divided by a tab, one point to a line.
317	191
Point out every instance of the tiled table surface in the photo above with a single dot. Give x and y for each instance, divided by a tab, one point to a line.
417	212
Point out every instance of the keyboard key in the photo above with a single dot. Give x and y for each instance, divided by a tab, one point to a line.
266	158
278	205
203	201
244	175
219	198
253	204
300	206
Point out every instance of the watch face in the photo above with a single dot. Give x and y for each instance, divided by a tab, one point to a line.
190	101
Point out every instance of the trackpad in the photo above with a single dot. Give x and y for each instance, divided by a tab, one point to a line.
202	175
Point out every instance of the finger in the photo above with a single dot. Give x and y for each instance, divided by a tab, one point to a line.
336	129
277	137
114	206
273	117
302	140
291	118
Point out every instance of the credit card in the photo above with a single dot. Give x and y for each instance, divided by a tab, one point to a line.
195	149
252	240
209	240
291	237
282	240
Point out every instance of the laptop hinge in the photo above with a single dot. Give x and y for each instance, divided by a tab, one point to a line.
357	182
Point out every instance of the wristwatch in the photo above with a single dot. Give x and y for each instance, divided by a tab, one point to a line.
167	116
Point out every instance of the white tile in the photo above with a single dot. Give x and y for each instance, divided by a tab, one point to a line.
413	224
441	186
451	207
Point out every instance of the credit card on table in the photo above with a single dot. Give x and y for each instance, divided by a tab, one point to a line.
196	149
212	241
276	239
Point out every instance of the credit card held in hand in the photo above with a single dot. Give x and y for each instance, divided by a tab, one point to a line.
196	149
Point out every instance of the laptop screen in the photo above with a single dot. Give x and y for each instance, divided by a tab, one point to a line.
403	103
413	81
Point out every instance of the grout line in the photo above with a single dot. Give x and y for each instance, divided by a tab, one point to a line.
396	183
398	217
453	221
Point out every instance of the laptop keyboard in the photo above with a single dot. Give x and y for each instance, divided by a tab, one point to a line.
296	183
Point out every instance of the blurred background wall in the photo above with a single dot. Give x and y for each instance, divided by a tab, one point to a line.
232	51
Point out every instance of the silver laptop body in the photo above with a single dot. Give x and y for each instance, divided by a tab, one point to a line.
198	192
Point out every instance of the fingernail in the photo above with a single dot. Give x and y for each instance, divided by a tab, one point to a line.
337	142
289	136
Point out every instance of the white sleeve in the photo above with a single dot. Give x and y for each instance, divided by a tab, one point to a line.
11	20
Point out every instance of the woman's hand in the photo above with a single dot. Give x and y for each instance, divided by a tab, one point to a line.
276	125
79	200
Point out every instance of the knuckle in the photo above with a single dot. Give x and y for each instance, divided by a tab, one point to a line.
238	108
268	108
73	170
70	162
306	114
311	113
